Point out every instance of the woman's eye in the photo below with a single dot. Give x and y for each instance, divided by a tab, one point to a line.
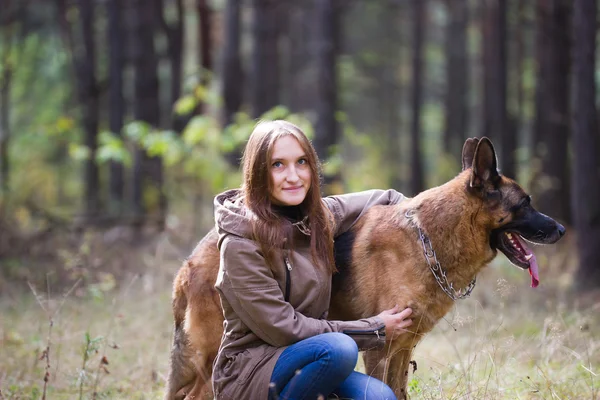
302	161
277	164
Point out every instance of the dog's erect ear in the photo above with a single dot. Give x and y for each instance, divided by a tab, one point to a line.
485	165
468	152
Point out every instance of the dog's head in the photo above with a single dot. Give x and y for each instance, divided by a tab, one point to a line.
507	208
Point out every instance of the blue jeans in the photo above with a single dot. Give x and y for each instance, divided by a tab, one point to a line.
323	365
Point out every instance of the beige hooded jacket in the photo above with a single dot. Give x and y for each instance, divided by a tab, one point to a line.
259	322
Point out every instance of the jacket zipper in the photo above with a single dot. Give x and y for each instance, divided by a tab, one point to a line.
288	279
366	332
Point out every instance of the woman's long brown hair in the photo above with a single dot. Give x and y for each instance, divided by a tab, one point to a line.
272	231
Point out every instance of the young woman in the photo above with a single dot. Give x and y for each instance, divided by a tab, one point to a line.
276	245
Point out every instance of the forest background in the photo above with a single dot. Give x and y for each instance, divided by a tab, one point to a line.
121	119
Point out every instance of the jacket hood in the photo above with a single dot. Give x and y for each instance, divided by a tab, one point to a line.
232	217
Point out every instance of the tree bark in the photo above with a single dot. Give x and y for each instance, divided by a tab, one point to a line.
495	119
420	12
6	69
521	53
5	85
233	78
116	108
586	164
265	57
83	61
391	88
300	36
326	126
89	95
205	17
233	74
146	108
457	92
552	183
175	39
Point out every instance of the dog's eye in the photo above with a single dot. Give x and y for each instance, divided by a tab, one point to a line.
525	202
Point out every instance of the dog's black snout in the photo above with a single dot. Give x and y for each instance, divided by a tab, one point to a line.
561	230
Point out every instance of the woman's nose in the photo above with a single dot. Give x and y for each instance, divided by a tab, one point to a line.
292	175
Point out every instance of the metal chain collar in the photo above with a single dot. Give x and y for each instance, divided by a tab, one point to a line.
436	268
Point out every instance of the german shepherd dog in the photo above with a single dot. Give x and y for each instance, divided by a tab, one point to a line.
423	253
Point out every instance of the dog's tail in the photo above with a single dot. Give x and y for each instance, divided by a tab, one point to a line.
182	370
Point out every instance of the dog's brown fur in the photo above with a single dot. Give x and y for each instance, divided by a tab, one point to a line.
382	263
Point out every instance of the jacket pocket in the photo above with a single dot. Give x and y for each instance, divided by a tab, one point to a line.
248	362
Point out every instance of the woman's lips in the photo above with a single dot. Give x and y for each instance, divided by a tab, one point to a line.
291	189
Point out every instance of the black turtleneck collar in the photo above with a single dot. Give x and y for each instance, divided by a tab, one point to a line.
292	213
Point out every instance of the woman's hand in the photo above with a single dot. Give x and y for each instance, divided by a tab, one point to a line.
395	322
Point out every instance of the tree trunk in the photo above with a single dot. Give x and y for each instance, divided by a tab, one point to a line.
327	36
586	164
543	48
520	35
495	118
205	17
116	106
89	96
390	88
419	19
457	92
146	108
233	75
300	36
552	183
175	39
265	57
5	82
6	68
233	78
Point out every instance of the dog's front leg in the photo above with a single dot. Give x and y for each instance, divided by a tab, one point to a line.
375	361
397	366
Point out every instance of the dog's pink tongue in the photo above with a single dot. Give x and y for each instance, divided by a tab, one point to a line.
533	271
533	266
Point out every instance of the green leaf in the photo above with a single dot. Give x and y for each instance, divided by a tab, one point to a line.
110	153
64	124
201	129
185	105
201	93
79	152
109	138
333	165
136	130
213	98
112	148
195	130
157	143
277	112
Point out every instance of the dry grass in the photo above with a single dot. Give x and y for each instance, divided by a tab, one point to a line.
510	341
507	342
132	337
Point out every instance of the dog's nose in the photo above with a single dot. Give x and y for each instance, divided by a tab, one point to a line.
561	230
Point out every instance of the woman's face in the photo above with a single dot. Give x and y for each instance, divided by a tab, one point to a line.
290	173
